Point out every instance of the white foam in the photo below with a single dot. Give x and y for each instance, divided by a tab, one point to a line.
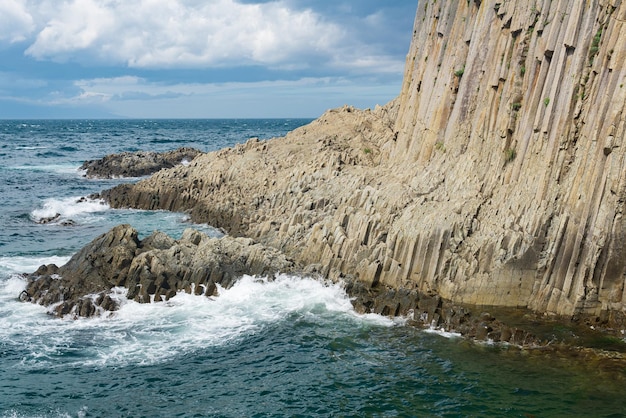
12	286
53	168
443	333
71	208
32	147
152	333
28	264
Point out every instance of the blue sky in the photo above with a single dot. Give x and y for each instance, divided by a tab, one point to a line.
199	58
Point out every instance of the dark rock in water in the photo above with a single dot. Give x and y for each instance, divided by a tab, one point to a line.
152	269
137	164
49	219
56	219
432	311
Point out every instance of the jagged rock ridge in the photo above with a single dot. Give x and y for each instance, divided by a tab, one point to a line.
136	164
152	269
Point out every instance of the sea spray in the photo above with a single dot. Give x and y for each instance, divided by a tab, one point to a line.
65	169
142	334
67	209
24	264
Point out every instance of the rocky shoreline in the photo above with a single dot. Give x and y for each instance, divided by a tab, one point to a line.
156	268
496	178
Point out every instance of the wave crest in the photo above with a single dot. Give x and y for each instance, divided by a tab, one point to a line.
67	210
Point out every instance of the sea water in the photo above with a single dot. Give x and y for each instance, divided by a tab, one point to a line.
287	347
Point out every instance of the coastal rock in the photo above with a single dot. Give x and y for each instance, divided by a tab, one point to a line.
137	164
152	269
496	178
438	314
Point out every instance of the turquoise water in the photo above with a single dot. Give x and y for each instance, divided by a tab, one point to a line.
291	347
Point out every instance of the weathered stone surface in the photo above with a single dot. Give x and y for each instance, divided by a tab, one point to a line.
523	139
136	164
496	178
153	269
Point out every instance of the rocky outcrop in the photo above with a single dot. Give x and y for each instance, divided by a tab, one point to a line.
155	268
158	267
136	164
496	178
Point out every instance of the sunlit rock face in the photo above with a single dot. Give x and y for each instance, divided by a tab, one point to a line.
498	176
518	108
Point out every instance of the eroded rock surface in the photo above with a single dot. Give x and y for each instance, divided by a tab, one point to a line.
496	178
137	164
154	268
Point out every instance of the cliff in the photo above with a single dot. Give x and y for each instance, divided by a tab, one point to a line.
518	107
496	178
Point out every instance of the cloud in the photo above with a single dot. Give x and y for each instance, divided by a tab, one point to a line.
199	58
138	97
133	88
182	33
15	21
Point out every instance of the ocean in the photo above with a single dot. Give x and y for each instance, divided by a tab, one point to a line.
282	348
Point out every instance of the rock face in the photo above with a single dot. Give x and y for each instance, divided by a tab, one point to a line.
498	177
154	268
518	107
136	164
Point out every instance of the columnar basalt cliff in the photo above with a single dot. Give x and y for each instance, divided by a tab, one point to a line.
527	100
498	177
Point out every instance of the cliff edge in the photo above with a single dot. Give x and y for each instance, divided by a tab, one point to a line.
498	177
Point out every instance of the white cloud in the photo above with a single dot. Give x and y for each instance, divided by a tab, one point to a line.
356	47
180	33
131	87
132	96
15	22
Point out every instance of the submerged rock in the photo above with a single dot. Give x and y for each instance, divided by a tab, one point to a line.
137	164
153	269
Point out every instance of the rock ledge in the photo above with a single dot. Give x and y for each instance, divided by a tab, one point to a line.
137	164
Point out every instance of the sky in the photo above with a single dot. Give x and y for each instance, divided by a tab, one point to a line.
199	58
